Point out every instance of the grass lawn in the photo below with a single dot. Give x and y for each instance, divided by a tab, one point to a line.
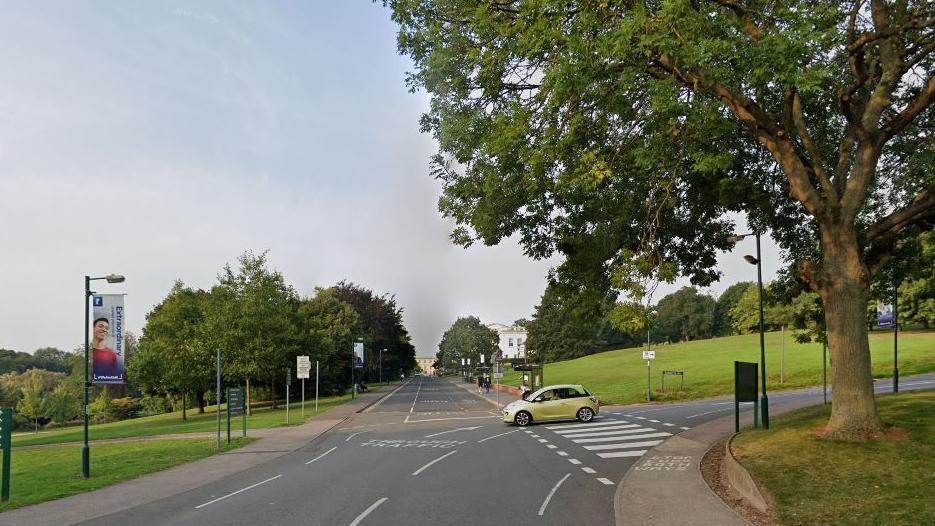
51	473
172	423
619	377
827	482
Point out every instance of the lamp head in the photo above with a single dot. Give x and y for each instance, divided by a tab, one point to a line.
115	278
751	260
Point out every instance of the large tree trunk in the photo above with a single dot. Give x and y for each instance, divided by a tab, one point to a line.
272	391
844	288
184	413
201	402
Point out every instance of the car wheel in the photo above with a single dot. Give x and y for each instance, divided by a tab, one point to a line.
585	414
522	419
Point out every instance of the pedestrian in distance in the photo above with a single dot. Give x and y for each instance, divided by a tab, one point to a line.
480	384
487	385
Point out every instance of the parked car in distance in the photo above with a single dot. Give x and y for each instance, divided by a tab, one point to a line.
554	402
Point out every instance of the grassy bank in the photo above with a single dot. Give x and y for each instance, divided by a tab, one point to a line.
172	423
52	473
619	377
819	481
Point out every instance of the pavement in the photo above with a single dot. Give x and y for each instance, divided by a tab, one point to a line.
126	495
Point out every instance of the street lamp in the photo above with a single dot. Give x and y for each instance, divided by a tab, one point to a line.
764	401
353	366
85	449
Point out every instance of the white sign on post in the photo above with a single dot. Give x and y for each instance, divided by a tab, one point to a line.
649	355
302	367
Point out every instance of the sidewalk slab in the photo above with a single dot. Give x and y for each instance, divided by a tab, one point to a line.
184	477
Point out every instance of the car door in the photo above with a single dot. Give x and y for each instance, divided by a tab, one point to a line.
571	402
547	405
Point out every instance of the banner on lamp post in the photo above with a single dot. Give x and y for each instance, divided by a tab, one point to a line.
107	339
358	355
884	315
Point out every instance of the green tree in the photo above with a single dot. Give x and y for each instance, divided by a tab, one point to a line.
327	328
63	404
723	321
684	315
557	332
33	404
621	134
173	356
467	338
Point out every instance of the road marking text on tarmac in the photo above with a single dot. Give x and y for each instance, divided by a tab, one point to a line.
236	492
368	511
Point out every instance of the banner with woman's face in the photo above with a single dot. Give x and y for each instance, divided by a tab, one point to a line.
107	342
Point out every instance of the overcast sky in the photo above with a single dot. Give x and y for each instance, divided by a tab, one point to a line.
162	140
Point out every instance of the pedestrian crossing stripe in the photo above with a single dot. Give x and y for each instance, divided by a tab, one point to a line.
606	432
618	454
628	437
603	421
648	443
568	432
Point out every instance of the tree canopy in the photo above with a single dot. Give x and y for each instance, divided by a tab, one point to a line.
621	134
467	338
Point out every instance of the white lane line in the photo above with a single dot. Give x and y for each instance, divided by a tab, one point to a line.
319	456
619	454
685	428
628	437
605	481
575	461
655	421
348	439
423	468
236	492
588	470
641	418
549	496
561	453
709	412
495	436
368	511
544	441
419	390
534	435
603	422
648	443
551	446
668	424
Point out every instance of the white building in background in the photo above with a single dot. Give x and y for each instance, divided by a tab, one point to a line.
512	339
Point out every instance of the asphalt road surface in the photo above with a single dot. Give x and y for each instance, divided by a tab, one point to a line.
434	453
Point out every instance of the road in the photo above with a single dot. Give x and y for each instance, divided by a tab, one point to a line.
433	452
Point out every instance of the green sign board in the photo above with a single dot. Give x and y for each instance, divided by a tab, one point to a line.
6	445
235	401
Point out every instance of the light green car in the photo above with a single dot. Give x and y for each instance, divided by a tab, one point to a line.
555	402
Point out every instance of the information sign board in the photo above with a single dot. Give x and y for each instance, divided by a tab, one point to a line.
303	366
649	355
235	401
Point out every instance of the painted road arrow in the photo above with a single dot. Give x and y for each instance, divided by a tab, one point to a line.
453	430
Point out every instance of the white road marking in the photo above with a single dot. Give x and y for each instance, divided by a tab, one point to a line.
709	412
575	461
453	430
603	422
668	424
407	421
641	418
551	446
588	470
629	437
423	468
618	454
348	439
605	481
685	428
549	496
534	435
495	436
419	390
613	430
368	511
319	456
648	443
561	453
542	440
655	421
236	492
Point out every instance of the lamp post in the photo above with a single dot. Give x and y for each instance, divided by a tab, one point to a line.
381	365
353	366
85	449
758	261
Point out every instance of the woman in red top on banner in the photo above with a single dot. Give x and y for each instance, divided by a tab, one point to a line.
104	359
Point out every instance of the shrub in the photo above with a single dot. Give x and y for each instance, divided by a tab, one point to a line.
155	405
123	408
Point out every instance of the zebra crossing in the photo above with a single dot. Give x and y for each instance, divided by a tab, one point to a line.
611	437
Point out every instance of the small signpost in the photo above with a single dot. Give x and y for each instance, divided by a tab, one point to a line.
235	406
680	374
6	445
288	382
303	367
745	390
649	356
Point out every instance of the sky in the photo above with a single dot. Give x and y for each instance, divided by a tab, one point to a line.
161	140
